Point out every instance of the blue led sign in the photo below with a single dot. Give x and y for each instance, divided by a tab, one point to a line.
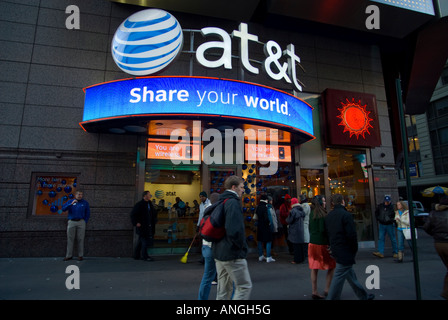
196	96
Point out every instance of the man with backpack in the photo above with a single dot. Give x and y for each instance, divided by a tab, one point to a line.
230	252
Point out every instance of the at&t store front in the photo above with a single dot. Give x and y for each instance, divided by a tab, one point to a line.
197	131
194	130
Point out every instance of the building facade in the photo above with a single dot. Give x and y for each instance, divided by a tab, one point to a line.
427	145
50	148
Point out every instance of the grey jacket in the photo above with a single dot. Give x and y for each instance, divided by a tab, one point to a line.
295	221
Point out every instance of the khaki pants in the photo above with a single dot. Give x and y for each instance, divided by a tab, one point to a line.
75	229
233	272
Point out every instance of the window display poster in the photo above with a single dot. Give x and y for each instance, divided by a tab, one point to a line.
51	192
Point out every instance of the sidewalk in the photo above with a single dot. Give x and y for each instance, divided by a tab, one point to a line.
167	278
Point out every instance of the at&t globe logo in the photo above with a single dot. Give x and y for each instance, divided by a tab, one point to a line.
147	42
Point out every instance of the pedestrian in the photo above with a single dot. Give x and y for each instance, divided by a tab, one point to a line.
296	231
437	227
144	219
78	216
180	207
205	202
275	224
318	249
284	210
385	215
230	252
403	225
264	229
209	263
343	240
306	221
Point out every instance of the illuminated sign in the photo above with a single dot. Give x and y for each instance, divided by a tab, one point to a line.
172	151
149	40
351	119
355	118
193	97
259	152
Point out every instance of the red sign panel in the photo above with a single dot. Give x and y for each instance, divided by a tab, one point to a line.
351	119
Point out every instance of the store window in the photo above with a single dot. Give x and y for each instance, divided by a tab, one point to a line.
50	192
348	175
312	182
175	195
277	185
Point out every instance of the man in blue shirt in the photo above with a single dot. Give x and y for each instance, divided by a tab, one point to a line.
78	215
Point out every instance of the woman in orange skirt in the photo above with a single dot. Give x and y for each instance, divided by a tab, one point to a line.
318	249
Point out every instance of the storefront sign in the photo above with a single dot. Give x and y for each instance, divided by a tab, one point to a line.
149	40
351	119
259	152
172	151
196	96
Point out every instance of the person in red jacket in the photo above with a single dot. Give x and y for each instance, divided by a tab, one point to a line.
285	209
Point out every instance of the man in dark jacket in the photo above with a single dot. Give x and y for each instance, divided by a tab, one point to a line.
343	240
437	227
230	252
385	215
144	218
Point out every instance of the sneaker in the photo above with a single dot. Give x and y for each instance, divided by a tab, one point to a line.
270	259
261	258
378	254
395	256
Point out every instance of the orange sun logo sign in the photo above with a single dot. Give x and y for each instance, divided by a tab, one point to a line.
355	118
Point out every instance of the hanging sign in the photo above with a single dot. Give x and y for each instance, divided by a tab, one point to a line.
193	97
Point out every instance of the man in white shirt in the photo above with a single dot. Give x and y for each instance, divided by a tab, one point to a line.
205	202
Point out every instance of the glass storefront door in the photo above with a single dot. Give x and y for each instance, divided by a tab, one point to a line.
175	194
348	175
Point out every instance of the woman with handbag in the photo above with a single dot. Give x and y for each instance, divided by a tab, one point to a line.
403	228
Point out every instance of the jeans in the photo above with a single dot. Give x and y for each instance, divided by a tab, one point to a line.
268	249
141	249
209	273
233	272
401	239
342	273
390	230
